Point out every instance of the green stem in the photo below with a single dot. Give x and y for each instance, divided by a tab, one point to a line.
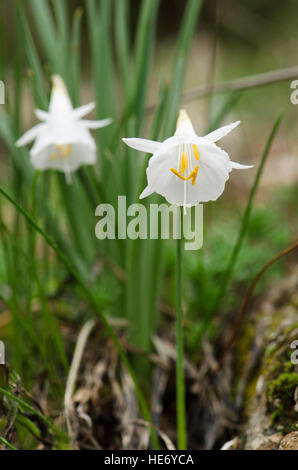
180	388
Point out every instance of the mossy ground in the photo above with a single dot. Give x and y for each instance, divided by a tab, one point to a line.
280	397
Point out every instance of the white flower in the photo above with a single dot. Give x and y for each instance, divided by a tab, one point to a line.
62	141
187	169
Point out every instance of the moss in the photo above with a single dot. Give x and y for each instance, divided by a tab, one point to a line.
278	362
274	418
289	366
275	367
283	387
270	351
251	387
242	352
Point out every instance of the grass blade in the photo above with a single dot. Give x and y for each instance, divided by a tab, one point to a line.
122	41
99	20
144	45
37	76
30	408
190	18
47	32
93	304
5	442
74	78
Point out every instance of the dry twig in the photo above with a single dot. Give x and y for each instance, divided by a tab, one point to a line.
244	83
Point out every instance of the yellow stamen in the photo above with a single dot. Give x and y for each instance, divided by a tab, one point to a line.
65	150
184	162
177	174
195	149
193	175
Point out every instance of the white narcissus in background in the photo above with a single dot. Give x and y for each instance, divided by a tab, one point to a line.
187	169
62	141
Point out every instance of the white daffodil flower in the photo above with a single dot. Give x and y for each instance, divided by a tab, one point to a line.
62	141
187	169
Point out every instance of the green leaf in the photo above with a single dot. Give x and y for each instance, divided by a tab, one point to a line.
144	46
47	32
228	272
37	75
187	30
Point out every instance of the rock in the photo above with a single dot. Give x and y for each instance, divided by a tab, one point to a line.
270	390
231	445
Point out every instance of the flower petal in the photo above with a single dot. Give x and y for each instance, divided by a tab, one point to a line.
144	145
29	136
82	111
60	103
42	115
96	124
221	132
47	157
184	125
213	171
61	132
147	191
